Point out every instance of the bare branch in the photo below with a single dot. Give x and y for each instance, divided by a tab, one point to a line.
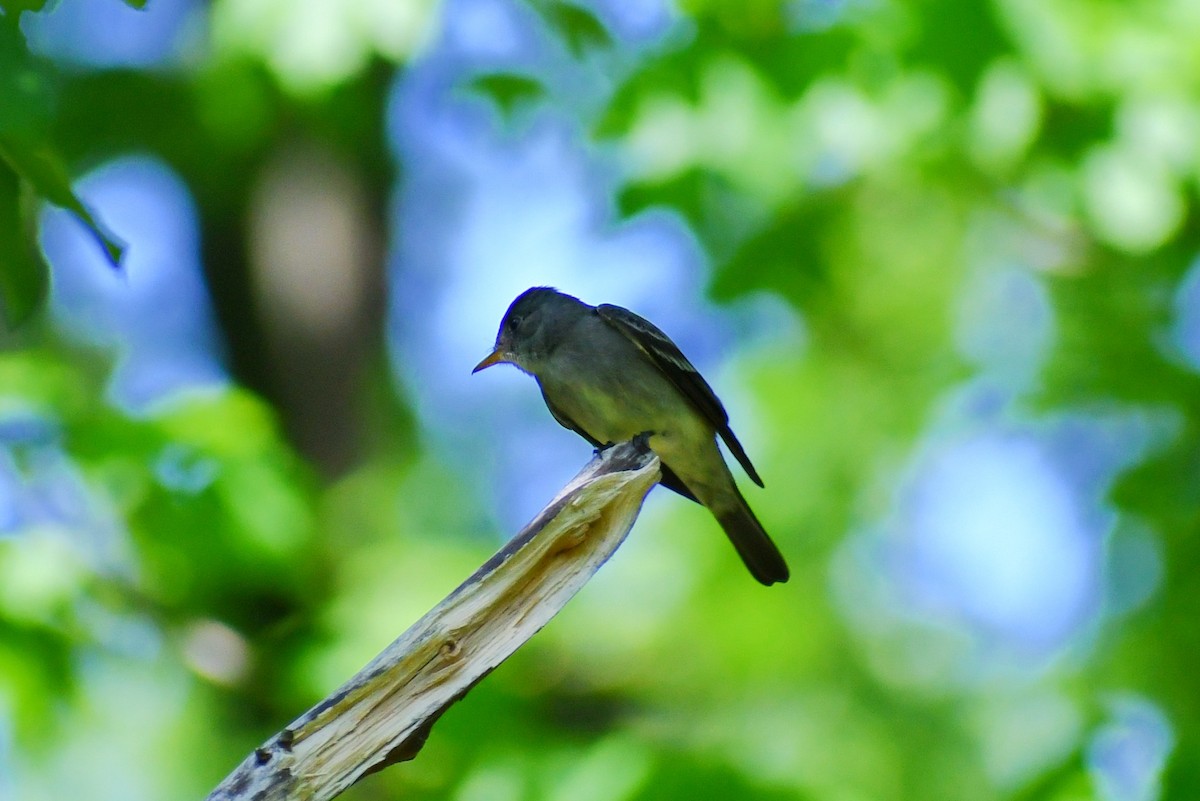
384	713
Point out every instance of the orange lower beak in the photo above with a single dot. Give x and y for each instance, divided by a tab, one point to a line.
495	357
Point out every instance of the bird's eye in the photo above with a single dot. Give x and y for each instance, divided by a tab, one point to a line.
515	321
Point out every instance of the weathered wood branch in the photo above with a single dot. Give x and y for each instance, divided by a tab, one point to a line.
384	713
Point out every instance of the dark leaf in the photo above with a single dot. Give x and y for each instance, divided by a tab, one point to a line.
676	72
26	98
577	26
787	254
26	95
38	164
941	46
23	274
508	91
12	8
717	212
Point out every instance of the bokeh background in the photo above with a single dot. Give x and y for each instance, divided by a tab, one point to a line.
939	258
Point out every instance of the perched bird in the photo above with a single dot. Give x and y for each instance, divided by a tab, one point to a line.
608	375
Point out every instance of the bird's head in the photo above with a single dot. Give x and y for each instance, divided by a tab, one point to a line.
535	323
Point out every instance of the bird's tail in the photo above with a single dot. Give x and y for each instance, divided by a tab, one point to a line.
760	554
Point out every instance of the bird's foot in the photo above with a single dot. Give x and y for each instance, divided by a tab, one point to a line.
642	440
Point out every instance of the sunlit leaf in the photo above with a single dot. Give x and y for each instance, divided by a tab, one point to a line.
234	424
509	91
138	4
789	65
35	662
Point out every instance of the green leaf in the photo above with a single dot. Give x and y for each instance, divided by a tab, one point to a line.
507	90
23	275
675	72
577	26
26	97
12	8
716	211
40	165
785	255
26	84
138	4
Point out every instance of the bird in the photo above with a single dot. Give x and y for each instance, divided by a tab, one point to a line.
610	375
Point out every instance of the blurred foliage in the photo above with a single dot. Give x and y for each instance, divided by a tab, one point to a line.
183	576
576	26
508	91
28	158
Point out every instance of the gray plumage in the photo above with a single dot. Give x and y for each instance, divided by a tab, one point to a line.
609	375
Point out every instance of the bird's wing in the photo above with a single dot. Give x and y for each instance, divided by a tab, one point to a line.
668	478
686	378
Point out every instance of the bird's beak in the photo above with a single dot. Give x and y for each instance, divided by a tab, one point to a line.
495	357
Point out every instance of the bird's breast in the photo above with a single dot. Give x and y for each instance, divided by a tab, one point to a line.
618	394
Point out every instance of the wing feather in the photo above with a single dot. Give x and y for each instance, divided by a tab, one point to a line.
686	378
